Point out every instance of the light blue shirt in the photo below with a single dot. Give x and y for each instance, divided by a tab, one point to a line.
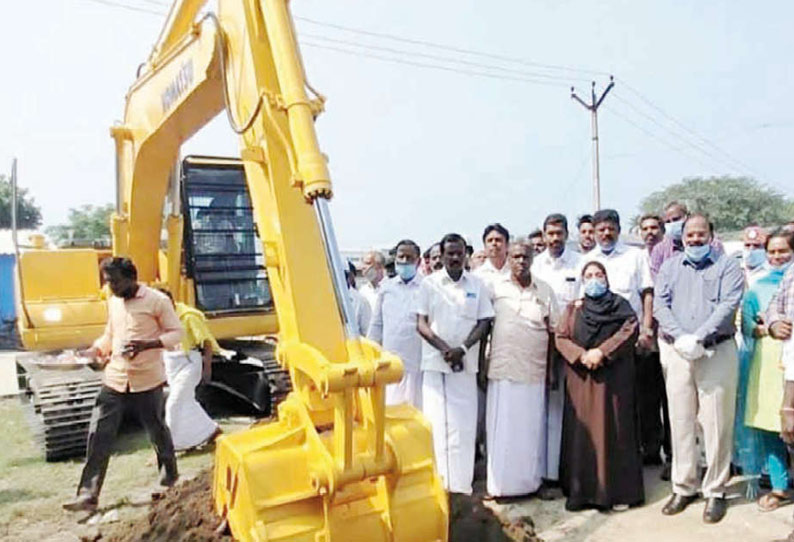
699	299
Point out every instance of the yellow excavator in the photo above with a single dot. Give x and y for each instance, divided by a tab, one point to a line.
337	465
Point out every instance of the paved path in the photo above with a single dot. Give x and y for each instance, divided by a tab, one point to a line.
743	523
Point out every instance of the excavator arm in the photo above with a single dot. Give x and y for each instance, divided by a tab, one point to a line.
337	464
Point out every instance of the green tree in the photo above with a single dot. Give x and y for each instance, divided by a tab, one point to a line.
731	202
28	213
87	224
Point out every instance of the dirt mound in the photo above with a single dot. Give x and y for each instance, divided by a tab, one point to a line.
184	514
470	520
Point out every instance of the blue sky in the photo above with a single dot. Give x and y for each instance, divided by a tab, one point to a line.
420	151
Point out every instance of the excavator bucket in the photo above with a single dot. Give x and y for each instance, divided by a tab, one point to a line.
289	481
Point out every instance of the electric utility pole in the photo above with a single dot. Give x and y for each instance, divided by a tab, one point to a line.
593	108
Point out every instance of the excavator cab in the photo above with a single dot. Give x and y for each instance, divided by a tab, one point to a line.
222	250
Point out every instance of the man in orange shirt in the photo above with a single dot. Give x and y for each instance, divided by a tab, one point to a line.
141	323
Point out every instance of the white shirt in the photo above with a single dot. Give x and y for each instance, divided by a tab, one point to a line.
628	272
520	341
394	320
370	293
490	274
562	274
452	310
361	311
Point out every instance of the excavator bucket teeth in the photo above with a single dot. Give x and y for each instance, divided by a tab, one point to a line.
266	484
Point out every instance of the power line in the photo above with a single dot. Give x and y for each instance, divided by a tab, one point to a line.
430	65
128	7
675	121
505	74
679	150
735	164
444	47
439	57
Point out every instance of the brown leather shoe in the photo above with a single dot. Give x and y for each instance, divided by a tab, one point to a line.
84	502
677	504
715	509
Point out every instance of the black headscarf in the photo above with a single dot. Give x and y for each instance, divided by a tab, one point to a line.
600	317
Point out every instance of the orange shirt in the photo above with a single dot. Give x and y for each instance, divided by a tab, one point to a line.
148	315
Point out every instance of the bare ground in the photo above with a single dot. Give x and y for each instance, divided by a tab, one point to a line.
32	490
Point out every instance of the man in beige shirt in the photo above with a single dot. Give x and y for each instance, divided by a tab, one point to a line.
526	311
141	323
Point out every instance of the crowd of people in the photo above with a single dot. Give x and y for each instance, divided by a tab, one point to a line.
568	365
565	365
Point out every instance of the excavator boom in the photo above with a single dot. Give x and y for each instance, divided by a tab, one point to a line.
337	465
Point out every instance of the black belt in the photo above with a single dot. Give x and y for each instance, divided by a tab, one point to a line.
708	343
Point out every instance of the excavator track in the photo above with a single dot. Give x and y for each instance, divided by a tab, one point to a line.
59	403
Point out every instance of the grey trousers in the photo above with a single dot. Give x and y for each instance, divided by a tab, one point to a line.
106	418
702	391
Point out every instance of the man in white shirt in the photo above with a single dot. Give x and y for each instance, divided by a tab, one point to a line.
558	266
373	269
586	231
394	323
362	314
495	239
453	314
628	270
526	313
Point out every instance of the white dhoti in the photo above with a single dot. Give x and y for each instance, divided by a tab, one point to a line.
449	401
515	426
189	424
408	390
555	405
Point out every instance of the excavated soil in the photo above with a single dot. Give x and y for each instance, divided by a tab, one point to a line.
185	514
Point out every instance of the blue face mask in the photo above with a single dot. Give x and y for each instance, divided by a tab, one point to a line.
675	230
595	287
754	258
405	271
782	268
697	254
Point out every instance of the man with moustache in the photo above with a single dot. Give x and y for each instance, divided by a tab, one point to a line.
141	323
675	213
559	267
697	294
453	314
394	323
495	239
526	313
651	231
628	271
651	396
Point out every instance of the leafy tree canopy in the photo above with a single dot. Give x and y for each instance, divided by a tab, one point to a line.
28	213
87	224
732	203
